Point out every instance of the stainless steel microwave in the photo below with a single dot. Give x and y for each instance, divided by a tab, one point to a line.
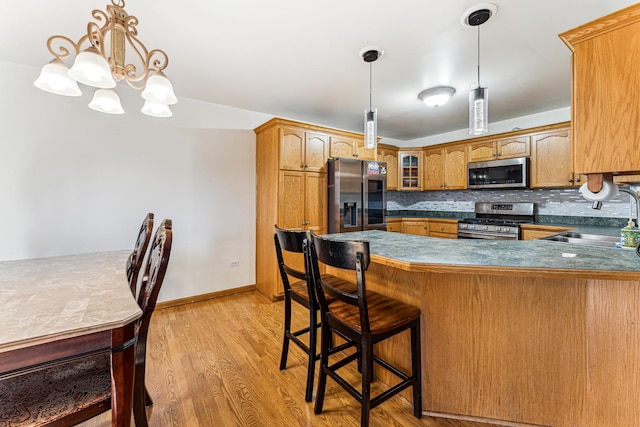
507	173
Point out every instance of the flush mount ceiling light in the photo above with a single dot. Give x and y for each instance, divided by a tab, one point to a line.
436	96
479	93
94	66
370	55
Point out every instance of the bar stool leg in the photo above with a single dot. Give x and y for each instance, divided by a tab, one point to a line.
367	374
325	342
287	333
311	364
417	369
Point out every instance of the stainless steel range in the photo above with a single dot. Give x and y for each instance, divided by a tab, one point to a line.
497	221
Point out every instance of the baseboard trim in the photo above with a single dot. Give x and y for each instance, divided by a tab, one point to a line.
204	297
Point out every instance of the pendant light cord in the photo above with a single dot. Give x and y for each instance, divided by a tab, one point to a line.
370	84
478	55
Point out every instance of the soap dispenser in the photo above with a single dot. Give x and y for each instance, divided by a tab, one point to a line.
629	235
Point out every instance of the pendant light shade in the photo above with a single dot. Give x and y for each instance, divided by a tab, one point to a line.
370	55
478	108
370	128
479	93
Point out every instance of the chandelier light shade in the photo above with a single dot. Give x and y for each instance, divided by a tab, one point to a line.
479	93
102	67
436	96
106	101
370	55
55	78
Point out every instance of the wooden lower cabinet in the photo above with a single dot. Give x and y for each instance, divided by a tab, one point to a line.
394	225
419	227
444	228
534	231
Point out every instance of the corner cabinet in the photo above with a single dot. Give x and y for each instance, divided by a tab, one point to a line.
605	93
445	168
409	170
291	188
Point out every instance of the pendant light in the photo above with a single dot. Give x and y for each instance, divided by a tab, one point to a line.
479	93
371	115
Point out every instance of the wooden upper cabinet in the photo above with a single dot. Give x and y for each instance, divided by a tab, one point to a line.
302	151
349	147
410	170
445	168
389	155
433	169
605	93
551	160
504	148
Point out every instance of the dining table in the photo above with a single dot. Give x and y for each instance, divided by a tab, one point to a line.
62	308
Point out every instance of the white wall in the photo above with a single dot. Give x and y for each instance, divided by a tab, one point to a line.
74	180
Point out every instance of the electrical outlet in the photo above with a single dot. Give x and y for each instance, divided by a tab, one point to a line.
234	263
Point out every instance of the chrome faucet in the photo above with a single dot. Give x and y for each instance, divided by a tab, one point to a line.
634	196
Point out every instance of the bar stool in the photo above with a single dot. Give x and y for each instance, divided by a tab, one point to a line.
366	318
302	292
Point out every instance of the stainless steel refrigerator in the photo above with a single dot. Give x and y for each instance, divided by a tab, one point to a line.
357	195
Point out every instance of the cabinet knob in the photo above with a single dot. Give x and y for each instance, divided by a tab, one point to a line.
570	180
442	228
577	179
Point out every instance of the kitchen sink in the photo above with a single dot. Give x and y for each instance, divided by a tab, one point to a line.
585	239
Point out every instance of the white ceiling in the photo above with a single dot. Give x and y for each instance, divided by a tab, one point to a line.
299	59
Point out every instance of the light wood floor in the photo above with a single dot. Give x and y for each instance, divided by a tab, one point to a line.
216	363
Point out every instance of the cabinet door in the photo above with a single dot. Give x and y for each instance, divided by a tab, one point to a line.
394	225
551	159
291	200
292	149
341	147
513	147
433	169
420	228
315	208
606	87
391	159
409	170
364	153
455	168
481	151
315	155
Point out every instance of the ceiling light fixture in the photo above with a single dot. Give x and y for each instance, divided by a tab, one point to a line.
95	67
436	96
479	93
370	54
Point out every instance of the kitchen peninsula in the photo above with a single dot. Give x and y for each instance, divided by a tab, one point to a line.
517	332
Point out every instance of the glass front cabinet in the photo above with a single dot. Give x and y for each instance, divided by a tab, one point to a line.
410	170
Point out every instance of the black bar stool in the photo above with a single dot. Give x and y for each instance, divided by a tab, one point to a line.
365	318
302	292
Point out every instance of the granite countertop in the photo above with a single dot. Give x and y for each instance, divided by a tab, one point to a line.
531	254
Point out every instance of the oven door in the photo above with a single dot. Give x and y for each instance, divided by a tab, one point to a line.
464	234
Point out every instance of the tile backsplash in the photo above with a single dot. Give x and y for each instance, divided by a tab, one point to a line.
555	202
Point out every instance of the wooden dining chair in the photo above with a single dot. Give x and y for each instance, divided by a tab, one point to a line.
135	260
301	291
366	318
73	391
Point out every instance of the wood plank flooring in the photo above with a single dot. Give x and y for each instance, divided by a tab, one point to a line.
216	363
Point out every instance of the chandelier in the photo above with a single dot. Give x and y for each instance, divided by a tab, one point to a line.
96	67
